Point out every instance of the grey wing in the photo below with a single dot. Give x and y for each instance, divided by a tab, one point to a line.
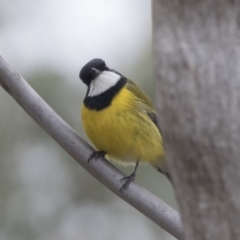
153	117
145	101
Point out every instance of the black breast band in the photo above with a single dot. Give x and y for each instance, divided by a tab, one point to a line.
104	99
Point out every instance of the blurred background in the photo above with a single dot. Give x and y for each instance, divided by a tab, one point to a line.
44	193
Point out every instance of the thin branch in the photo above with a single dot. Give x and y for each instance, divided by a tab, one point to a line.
141	199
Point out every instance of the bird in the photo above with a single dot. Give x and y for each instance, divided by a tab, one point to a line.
120	120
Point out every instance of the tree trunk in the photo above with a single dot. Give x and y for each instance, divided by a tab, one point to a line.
196	47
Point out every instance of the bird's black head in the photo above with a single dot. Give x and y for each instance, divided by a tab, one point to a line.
92	69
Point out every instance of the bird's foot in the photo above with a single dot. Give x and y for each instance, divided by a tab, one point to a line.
128	180
95	155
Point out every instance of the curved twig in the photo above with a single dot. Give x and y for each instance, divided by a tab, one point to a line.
141	199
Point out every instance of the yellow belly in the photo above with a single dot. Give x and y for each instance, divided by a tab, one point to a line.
124	132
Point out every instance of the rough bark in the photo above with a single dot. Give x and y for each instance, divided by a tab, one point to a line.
196	49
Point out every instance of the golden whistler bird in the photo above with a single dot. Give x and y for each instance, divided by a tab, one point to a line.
120	120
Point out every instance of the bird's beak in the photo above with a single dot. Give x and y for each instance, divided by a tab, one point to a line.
96	70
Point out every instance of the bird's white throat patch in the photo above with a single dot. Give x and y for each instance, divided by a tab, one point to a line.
103	82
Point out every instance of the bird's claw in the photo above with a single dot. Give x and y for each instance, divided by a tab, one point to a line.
128	180
95	155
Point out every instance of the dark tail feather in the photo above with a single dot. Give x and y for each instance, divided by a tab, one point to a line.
165	173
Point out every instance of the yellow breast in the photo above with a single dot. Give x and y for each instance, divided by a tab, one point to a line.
123	130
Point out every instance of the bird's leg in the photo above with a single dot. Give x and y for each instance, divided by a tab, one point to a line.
96	154
129	179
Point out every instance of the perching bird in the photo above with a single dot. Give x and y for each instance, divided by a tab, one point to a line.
120	120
